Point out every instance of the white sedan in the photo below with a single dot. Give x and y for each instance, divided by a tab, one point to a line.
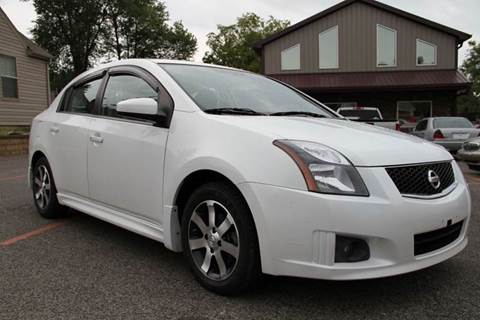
245	175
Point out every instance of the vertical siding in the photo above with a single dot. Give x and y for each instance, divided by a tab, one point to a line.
32	80
357	42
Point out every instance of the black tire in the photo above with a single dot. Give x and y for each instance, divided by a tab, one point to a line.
50	208
246	269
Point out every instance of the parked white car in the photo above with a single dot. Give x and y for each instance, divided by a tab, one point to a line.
449	132
245	175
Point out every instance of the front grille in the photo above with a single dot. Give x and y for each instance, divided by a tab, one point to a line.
471	146
413	180
434	240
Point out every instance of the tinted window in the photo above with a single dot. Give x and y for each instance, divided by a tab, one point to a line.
422	125
447	123
82	98
212	88
124	87
360	114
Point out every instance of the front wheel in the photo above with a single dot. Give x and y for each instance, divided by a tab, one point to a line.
44	191
219	239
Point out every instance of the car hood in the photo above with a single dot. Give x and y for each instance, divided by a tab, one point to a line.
362	144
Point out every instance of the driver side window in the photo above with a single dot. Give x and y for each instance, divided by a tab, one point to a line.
124	87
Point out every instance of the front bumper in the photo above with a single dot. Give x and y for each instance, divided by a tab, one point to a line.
469	156
297	229
450	145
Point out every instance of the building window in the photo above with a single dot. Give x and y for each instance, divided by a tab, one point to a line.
291	58
426	53
386	47
328	48
8	77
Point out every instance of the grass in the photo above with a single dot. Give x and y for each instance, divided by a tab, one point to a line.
14	130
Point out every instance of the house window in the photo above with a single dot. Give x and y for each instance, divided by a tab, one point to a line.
386	47
8	77
291	58
426	53
328	48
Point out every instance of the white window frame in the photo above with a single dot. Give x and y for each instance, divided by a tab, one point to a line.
338	48
10	77
416	55
395	50
299	57
419	101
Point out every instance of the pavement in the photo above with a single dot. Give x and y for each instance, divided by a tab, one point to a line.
83	268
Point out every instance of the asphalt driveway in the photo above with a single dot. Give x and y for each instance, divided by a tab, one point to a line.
83	268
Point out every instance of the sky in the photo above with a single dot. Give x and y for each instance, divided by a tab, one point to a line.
203	16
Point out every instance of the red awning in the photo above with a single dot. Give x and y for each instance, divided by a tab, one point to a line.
369	81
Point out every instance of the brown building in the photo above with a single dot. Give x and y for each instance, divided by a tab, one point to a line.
365	53
24	87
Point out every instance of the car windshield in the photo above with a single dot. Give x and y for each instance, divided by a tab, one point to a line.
218	90
359	114
448	123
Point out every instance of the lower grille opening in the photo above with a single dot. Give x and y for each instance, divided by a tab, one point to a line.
434	240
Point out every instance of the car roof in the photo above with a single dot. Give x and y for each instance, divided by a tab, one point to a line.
156	61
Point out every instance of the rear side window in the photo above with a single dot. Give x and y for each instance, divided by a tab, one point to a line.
81	99
451	123
124	87
422	125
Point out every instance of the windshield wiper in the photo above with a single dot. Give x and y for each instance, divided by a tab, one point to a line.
231	110
298	113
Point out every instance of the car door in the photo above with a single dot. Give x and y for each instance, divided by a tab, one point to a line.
126	154
68	136
421	128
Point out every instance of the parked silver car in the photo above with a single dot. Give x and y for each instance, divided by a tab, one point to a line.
470	153
449	132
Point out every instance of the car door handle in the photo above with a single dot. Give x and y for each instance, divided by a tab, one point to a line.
96	139
54	130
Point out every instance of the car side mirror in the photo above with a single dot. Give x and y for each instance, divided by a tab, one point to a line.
138	106
144	109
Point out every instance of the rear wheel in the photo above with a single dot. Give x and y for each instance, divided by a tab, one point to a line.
44	191
219	239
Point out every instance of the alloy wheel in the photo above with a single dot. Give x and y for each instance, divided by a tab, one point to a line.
213	240
42	187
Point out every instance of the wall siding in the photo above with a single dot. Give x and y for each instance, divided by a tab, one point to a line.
357	42
31	78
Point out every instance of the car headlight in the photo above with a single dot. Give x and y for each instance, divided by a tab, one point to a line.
325	170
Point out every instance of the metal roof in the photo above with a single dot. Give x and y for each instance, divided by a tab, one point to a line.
368	81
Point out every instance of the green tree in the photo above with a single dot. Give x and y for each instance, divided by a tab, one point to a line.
140	29
79	33
70	31
232	45
471	68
